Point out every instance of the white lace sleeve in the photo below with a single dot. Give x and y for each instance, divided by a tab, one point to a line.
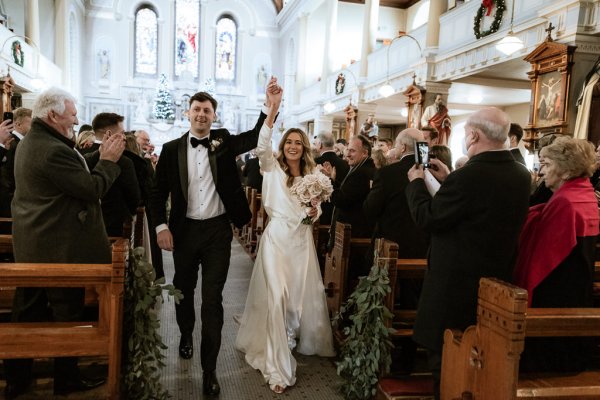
264	151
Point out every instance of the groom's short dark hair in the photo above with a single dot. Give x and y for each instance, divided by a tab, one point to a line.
203	96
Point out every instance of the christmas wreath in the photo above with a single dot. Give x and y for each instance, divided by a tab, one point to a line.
486	7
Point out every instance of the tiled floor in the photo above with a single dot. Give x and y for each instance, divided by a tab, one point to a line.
317	378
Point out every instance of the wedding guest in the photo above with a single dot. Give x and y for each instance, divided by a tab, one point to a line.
468	240
286	298
379	158
460	162
85	140
557	250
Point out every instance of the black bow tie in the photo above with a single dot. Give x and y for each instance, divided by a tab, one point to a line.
195	142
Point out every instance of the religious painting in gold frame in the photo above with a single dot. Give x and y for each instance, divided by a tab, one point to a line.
550	76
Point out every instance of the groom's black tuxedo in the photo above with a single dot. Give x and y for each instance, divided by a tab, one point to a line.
172	177
202	241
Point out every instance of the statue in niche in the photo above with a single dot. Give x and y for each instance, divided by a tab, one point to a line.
261	80
104	64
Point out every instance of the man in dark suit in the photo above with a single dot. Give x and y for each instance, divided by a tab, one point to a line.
348	198
252	174
386	203
57	219
22	124
515	134
199	172
324	144
474	222
119	204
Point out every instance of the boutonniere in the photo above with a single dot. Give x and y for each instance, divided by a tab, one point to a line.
215	143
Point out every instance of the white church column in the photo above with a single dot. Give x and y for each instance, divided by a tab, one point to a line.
300	66
322	123
370	24
32	21
61	38
330	30
436	8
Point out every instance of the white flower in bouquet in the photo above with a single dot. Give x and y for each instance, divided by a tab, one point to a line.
311	191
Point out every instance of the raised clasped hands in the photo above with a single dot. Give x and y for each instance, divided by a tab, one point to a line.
274	92
112	147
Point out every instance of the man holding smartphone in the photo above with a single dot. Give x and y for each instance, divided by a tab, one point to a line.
21	121
474	222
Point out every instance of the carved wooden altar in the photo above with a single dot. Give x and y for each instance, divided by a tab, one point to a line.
550	76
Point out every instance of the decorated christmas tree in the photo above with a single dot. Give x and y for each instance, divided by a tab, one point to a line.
163	103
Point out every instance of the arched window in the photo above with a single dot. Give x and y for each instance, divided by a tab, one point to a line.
187	17
146	42
226	46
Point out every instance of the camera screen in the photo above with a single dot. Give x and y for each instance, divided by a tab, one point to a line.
422	153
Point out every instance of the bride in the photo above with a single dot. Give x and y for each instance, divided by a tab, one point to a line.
285	307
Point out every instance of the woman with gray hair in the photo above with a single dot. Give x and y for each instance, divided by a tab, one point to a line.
557	250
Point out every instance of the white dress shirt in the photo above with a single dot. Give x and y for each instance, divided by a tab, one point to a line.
203	200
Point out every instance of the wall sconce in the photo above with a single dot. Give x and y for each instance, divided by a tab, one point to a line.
511	43
387	90
36	82
329	106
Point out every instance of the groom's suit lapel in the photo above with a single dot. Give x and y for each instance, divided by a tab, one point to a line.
212	160
182	163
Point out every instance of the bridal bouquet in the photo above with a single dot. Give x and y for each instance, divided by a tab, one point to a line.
311	191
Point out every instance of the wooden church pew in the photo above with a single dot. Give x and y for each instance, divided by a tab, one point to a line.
64	339
483	361
337	263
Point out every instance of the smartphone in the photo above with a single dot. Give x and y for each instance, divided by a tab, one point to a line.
7	115
422	153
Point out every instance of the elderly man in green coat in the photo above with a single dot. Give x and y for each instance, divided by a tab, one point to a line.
57	219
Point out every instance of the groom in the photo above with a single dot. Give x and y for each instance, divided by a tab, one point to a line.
199	172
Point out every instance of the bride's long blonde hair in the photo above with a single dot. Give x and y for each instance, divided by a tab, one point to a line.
307	163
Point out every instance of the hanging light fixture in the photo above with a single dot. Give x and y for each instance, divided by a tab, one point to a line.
387	90
511	43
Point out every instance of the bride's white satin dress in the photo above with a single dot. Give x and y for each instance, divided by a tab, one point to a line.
286	299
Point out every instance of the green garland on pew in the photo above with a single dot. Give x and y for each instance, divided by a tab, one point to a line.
142	344
365	352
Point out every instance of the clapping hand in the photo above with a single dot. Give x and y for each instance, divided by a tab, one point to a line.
112	147
328	170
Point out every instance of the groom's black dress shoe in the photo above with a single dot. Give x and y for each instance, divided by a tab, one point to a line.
210	384
13	390
80	384
186	346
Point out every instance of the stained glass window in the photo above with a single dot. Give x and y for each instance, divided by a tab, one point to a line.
225	59
146	42
187	15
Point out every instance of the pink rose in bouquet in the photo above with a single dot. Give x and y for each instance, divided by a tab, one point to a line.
311	191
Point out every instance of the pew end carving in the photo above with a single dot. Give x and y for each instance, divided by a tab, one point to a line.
483	361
